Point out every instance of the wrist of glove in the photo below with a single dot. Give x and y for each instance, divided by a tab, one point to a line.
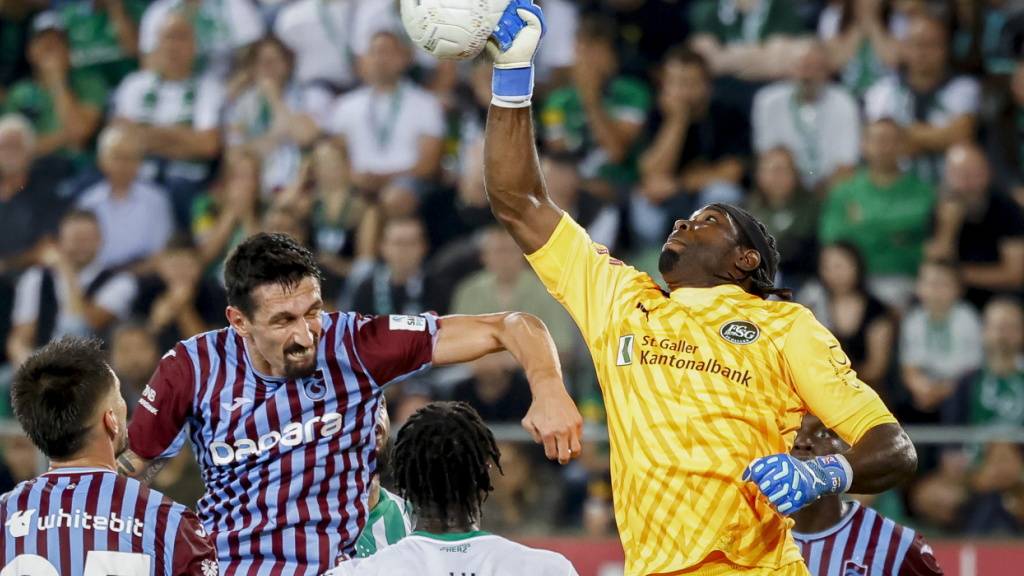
513	46
791	484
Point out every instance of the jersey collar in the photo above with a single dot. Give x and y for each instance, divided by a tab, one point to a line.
706	296
853	506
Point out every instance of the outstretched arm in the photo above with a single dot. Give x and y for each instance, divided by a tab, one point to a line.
512	175
553	419
514	183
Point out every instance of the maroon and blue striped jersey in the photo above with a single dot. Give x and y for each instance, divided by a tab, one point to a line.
286	463
92	522
865	543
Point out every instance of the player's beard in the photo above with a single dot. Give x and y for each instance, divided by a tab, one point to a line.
667	261
384	453
122	441
301	369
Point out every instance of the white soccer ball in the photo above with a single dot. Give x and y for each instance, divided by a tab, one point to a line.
454	29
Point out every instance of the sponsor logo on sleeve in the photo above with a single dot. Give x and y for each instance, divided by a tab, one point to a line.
740	332
625	355
147	400
407	323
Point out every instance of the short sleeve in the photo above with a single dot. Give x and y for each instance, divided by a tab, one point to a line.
194	554
962	96
128	98
827	384
209	103
392	348
26	297
582	276
920	560
912	341
117	295
158	423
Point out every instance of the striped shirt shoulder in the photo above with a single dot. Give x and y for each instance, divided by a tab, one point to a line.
389	522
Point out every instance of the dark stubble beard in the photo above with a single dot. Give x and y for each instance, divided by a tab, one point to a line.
295	371
667	261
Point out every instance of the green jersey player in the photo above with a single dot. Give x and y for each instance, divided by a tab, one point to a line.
443	461
389	515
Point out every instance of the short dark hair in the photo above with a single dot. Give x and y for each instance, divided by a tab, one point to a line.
266	258
683	55
56	391
443	457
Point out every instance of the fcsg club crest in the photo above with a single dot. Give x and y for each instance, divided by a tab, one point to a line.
315	387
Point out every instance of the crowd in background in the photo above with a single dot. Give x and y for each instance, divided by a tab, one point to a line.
881	141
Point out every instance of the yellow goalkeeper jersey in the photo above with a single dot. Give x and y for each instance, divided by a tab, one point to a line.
697	384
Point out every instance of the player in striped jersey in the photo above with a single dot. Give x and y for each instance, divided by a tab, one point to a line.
840	538
443	462
389	519
81	518
280	407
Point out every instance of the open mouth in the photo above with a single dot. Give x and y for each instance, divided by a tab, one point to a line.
299	354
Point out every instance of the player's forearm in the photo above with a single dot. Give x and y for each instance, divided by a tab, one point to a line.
134	466
883	458
513	181
527	338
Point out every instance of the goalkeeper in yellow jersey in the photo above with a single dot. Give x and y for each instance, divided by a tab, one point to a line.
705	385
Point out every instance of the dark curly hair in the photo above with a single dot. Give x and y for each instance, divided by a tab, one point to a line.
443	457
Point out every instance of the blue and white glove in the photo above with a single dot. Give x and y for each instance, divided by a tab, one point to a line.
790	483
512	46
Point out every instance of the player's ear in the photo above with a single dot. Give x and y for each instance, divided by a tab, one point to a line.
748	260
237	320
111	424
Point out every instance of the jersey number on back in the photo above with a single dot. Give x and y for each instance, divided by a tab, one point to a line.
97	563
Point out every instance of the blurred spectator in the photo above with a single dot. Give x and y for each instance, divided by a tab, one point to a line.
697	149
554	62
178	300
20	461
978	226
601	116
398	285
975	489
230	212
841	301
15	26
133	357
274	116
789	212
30	207
745	38
328	37
565	187
507	283
816	119
390	127
937	106
497	389
940	340
223	29
175	113
135	216
885	211
69	293
104	36
1005	137
860	45
64	105
647	29
983	41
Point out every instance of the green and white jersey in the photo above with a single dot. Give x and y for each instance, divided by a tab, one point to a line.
477	553
388	523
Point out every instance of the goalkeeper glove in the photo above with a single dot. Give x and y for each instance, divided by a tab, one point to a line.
790	483
513	45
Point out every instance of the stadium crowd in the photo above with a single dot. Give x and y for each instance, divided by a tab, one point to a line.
881	141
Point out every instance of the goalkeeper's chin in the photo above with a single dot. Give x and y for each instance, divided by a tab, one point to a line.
802	455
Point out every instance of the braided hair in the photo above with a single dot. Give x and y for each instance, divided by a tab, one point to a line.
443	457
762	279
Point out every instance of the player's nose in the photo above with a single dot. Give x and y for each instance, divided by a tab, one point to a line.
681	225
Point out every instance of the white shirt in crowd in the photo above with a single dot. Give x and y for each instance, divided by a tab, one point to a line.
134	227
224	27
823	135
477	553
382	131
145	98
115	296
948	349
890	98
328	35
559	39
